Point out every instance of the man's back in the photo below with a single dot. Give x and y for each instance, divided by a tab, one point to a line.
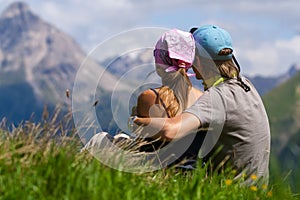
242	123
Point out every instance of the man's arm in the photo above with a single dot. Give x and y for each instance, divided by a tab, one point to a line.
170	128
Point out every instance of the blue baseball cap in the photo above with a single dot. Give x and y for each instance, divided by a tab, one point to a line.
210	39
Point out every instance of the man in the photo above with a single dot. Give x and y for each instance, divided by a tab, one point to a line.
230	109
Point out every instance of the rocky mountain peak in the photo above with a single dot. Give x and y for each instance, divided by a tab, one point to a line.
43	56
15	23
19	16
15	9
295	68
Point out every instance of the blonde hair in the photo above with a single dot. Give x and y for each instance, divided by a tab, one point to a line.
226	67
175	90
229	68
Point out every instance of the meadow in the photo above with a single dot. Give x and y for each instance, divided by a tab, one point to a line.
43	161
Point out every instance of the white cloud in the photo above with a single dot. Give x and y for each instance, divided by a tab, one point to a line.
271	58
289	46
90	22
260	60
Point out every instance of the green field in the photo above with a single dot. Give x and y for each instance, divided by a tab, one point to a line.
36	163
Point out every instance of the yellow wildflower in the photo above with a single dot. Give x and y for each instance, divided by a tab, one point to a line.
233	172
253	188
253	177
269	194
264	186
228	182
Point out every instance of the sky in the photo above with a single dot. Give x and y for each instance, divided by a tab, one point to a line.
266	34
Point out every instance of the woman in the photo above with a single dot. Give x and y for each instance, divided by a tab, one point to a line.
174	54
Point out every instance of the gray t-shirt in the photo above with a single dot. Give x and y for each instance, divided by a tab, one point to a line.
238	129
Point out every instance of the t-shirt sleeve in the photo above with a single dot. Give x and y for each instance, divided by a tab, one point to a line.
209	108
202	109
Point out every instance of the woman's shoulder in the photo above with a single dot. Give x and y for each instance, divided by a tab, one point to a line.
148	96
149	93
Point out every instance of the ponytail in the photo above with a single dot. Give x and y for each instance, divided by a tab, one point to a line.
175	90
230	68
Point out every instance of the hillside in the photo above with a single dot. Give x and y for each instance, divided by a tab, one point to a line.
265	84
283	107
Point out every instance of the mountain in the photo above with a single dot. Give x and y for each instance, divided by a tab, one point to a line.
44	57
38	62
264	84
283	108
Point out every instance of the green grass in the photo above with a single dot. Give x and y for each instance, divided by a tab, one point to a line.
39	161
